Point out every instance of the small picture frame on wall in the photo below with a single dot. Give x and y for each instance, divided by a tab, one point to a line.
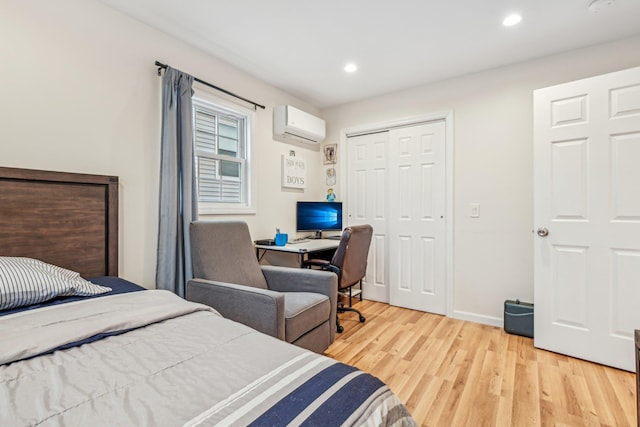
331	176
330	154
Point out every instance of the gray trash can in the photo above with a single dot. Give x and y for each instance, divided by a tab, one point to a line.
518	318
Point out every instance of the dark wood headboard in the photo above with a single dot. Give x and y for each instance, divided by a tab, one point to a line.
66	219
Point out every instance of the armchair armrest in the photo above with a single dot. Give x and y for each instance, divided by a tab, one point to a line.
260	309
288	279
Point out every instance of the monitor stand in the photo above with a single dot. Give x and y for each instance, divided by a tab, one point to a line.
316	235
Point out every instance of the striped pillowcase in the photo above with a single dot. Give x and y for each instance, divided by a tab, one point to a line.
26	281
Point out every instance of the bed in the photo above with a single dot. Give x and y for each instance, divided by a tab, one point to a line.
133	357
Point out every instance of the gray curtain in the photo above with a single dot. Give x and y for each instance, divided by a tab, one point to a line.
178	198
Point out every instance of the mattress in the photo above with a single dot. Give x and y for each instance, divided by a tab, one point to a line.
163	361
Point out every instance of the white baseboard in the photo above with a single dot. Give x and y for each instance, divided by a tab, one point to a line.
479	318
463	315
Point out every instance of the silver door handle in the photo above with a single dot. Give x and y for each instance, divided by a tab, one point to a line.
542	232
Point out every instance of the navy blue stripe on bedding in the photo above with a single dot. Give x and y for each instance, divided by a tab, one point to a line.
117	285
334	410
96	337
283	412
337	408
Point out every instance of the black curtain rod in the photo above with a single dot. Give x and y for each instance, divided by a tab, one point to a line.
164	67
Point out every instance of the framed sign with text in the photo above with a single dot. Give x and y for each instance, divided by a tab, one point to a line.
294	172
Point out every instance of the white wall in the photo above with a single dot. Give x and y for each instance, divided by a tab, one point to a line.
493	165
80	93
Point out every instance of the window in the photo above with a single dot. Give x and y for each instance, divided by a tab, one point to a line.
222	145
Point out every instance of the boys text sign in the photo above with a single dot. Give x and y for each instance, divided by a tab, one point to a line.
294	172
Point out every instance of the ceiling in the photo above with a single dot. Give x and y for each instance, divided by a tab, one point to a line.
301	46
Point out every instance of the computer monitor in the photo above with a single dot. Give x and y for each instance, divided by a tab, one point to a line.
319	216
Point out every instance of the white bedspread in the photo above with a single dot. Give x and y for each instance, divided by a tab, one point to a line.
179	364
30	333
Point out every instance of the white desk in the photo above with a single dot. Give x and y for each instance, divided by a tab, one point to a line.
300	248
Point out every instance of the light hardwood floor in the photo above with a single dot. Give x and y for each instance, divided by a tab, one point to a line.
456	373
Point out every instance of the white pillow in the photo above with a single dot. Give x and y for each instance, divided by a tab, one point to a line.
26	281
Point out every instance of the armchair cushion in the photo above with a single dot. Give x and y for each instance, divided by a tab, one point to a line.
285	279
303	312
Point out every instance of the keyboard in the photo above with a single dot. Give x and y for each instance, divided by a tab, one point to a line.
334	237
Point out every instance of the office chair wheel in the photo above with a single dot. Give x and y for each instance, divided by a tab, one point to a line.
362	319
340	329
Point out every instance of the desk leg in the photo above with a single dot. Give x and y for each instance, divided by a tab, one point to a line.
258	256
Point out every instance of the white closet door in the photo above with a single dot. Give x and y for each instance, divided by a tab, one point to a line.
367	197
417	228
587	217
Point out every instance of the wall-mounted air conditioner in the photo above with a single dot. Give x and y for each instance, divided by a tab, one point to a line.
292	124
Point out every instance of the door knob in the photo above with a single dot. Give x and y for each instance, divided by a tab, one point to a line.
542	232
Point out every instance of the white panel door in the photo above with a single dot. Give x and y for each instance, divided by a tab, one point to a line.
587	217
367	193
417	228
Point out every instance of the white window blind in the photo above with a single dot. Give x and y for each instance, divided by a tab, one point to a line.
221	149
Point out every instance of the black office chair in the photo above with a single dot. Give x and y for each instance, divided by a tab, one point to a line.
350	264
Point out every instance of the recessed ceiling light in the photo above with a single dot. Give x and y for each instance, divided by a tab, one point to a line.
511	20
350	67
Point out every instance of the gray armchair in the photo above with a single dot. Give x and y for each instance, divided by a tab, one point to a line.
292	304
